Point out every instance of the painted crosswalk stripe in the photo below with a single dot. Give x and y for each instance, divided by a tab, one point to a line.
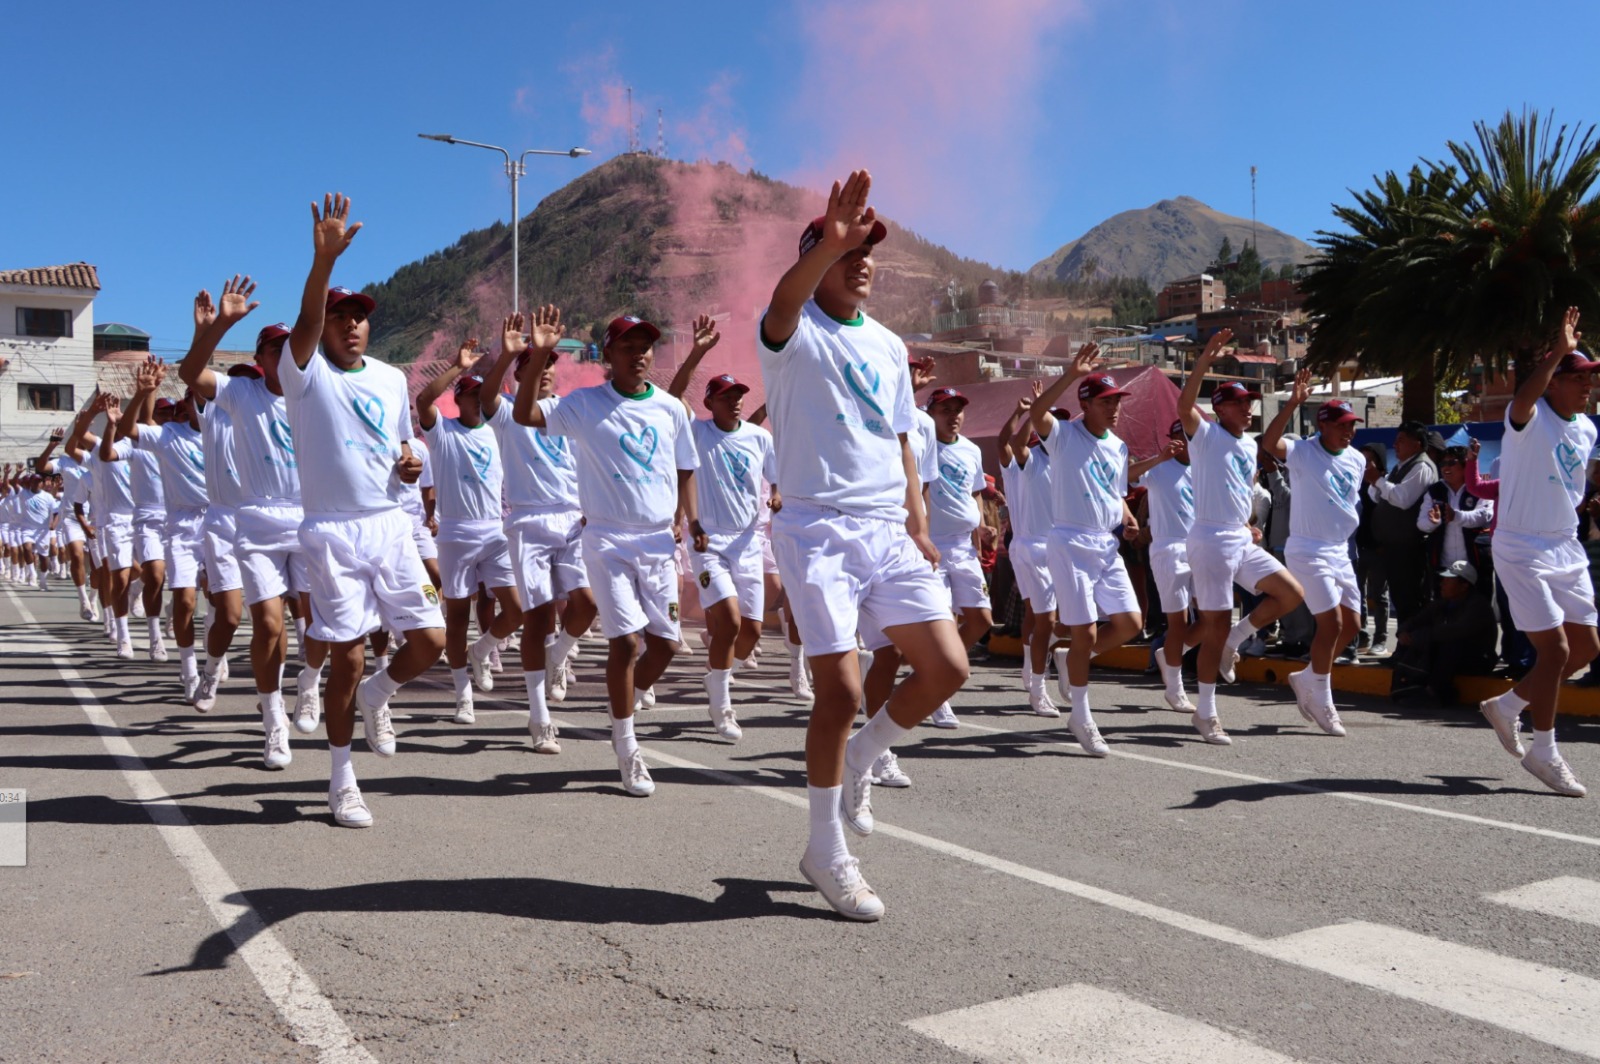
1567	897
1083	1023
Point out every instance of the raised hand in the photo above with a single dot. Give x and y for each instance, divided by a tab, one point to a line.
1302	388
512	341
1567	339
150	376
1213	348
236	300
331	229
1025	404
546	329
1473	447
1037	387
58	434
467	354
1434	514
706	335
848	220
205	312
1086	360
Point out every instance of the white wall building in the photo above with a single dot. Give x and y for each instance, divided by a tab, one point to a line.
46	353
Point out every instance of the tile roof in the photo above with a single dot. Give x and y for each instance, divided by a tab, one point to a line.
75	275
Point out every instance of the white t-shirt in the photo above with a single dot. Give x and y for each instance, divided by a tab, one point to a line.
840	398
1088	477
924	441
630	449
1327	489
113	482
183	464
71	473
216	444
411	494
540	469
1542	468
1028	495
733	467
353	422
37	507
149	500
77	486
954	512
466	469
1224	468
1171	500
263	445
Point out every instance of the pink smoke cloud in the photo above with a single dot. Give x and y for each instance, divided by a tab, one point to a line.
712	132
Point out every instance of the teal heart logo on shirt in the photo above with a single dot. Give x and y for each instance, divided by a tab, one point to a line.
1243	468
641	448
195	457
554	447
1568	458
481	459
738	464
370	411
1343	486
863	379
1186	497
1100	473
953	474
279	431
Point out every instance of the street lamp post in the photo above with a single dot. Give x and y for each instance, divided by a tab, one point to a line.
515	169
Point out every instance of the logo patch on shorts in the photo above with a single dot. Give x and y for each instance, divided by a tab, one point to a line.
986	589
705	580
429	593
672	612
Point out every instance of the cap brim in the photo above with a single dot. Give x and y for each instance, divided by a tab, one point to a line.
741	389
1111	392
963	400
367	302
655	333
1581	367
1342	419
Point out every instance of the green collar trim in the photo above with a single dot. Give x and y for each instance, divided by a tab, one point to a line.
649	390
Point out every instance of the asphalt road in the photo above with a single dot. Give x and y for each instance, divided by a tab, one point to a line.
1405	894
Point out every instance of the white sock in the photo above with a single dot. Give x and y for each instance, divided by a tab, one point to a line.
153	627
122	629
556	650
1206	706
186	666
1511	702
462	678
622	740
826	846
1079	697
309	679
83	596
483	644
1030	679
272	708
1171	675
213	665
741	663
871	740
300	636
380	663
1241	630
344	773
717	683
384	684
1322	682
1544	745
538	710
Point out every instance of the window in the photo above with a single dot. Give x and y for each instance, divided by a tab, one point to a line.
38	321
44	397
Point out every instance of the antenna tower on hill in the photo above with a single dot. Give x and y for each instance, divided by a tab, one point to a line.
1256	243
661	135
633	128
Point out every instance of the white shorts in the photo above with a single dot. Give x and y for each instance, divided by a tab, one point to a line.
1546	580
148	536
634	577
365	573
1090	577
422	536
731	568
1031	567
267	544
842	573
185	547
546	555
95	548
471	553
962	574
1222	557
116	541
769	562
1169	564
71	531
1326	573
222	564
42	538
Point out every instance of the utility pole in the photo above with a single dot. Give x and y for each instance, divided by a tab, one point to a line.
661	135
1254	240
633	129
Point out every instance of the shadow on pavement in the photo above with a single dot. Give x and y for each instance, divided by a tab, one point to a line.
1447	787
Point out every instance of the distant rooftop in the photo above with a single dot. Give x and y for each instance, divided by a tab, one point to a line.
116	328
75	275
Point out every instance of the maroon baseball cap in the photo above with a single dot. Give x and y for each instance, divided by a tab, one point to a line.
341	294
915	359
1062	413
468	383
626	324
1098	386
1229	391
245	369
1338	412
165	404
271	332
1176	428
724	383
1574	362
939	395
811	236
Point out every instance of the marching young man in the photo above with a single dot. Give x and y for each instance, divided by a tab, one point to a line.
113	494
636	464
1025	464
472	541
149	523
224	579
852	538
1171	498
1326	473
1223	547
1537	555
545	526
70	468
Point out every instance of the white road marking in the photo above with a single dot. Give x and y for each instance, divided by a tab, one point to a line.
1568	897
292	991
1085	1023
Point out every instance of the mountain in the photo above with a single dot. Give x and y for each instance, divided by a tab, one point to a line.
1171	239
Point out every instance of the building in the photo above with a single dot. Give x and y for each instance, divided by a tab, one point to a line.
46	352
1197	294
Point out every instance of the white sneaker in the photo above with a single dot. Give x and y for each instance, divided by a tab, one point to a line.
1227	668
307	703
886	771
1210	729
555	685
1326	716
1088	736
191	684
482	674
855	801
222	671
1179	703
636	775
88	613
1555	774
465	713
1040	702
1506	726
125	650
376	723
349	810
136	608
495	664
1303	696
158	650
544	738
44	582
843	888
945	717
276	754
647	698
727	724
205	692
799	682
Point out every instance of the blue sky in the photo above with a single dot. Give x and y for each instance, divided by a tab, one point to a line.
174	144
